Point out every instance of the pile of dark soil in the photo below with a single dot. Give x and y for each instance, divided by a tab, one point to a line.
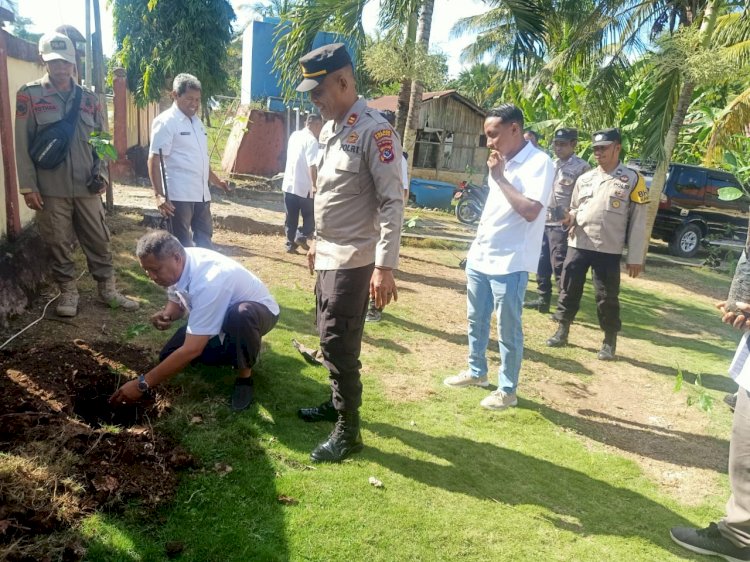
64	453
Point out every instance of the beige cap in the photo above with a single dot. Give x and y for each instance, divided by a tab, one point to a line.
56	46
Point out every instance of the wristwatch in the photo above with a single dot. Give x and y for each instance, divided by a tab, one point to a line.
142	384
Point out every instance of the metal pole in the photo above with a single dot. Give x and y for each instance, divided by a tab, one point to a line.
88	74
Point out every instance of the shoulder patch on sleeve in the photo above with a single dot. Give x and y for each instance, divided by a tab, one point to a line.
23	102
382	134
386	151
640	191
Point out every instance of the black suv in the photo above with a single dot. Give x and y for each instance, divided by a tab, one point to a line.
690	209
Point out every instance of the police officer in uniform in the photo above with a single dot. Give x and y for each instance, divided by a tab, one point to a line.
607	210
568	167
358	215
66	198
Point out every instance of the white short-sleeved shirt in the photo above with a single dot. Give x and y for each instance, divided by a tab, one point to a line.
739	370
405	173
210	283
506	242
301	153
184	143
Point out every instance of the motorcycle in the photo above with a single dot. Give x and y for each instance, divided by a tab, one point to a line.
469	199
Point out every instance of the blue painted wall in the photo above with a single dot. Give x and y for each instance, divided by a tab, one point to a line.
258	77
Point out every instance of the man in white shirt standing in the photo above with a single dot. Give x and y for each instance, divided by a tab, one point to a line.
229	310
300	176
179	133
505	251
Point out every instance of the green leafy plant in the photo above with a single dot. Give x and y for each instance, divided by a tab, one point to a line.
412	222
102	143
701	398
135	330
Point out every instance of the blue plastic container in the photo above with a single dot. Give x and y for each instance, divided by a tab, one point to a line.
431	193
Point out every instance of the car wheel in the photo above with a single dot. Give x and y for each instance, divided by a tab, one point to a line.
686	241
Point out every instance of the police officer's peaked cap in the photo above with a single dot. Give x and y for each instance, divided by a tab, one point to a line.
566	134
605	137
320	62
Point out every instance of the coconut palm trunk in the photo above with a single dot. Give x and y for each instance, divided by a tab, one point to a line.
415	103
404	93
684	100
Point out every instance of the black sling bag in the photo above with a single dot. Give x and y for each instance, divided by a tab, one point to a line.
50	147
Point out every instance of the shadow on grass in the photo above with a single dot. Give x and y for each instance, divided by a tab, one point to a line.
579	503
659	443
558	363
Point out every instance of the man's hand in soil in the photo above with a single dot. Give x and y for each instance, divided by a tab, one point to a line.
739	321
126	394
161	320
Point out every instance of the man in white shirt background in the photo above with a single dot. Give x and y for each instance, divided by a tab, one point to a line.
179	133
300	176
504	252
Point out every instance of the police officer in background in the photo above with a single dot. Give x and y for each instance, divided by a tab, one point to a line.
607	209
358	215
568	167
67	198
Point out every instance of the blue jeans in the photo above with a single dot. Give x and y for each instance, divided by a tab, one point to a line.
504	294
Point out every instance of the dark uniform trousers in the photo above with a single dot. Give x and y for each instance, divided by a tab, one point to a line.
554	250
245	323
606	276
195	216
341	297
296	206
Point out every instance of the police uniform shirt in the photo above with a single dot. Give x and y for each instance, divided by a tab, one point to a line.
359	203
211	283
301	154
566	174
608	210
506	242
184	143
38	105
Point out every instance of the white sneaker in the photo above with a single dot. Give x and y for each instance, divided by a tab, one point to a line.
499	400
464	379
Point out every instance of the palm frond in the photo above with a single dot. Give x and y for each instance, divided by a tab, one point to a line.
733	120
659	110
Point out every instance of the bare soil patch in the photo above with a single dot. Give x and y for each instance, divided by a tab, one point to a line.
64	452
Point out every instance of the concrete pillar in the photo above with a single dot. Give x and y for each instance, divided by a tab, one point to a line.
122	169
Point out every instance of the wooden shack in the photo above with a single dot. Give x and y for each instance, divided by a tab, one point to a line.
450	136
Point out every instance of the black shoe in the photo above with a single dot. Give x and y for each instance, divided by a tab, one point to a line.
609	347
291	249
302	244
324	412
344	440
709	541
731	401
560	337
242	395
541	304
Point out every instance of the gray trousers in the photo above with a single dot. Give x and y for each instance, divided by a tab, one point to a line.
61	221
193	216
736	525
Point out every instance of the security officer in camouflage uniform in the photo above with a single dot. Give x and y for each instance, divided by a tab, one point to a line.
607	210
568	167
67	198
358	215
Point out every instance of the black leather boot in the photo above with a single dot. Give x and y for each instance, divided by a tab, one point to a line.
609	347
541	304
324	412
560	337
344	440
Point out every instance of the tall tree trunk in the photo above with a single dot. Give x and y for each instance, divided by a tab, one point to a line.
404	93
415	103
670	140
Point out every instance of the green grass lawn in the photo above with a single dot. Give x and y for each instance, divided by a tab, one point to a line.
460	483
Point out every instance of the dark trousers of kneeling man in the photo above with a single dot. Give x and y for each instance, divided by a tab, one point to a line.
245	324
